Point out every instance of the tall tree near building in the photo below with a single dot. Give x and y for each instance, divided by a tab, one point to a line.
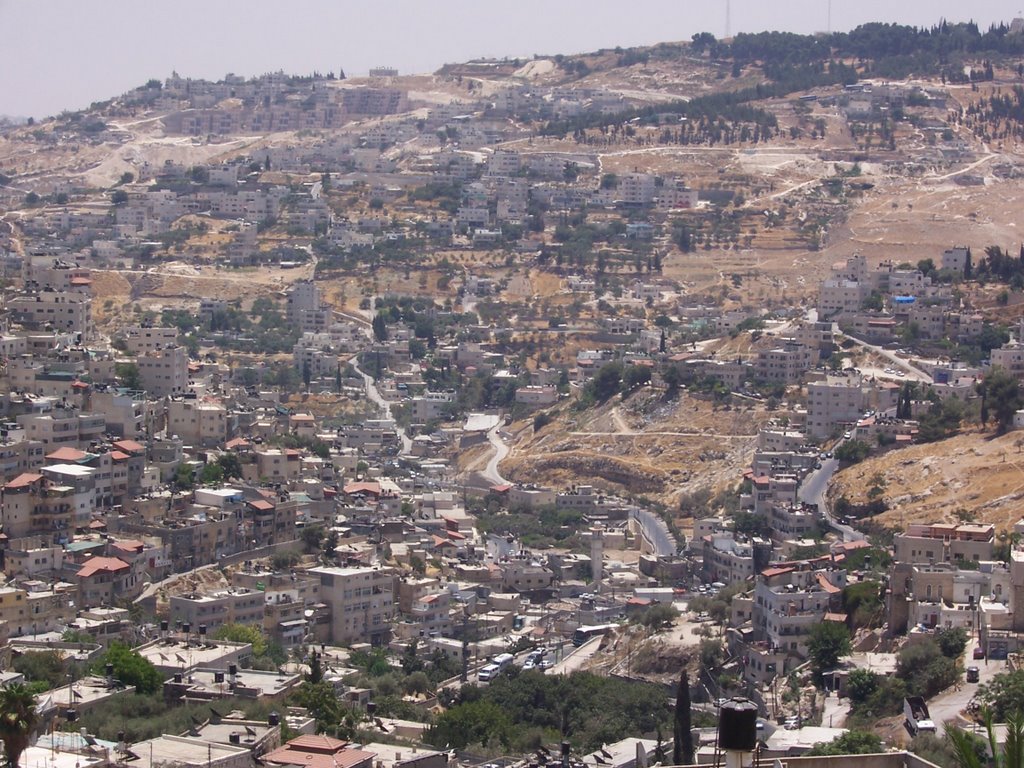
682	743
18	718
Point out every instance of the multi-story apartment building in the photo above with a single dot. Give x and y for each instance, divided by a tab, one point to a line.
944	543
786	364
833	404
790	600
141	340
361	603
62	425
35	608
164	372
235	605
729	560
197	422
52	310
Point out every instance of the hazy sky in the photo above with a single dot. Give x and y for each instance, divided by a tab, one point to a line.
65	54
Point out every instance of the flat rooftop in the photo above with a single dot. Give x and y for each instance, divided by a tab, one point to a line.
178	656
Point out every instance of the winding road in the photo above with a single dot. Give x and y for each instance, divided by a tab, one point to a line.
490	472
812	491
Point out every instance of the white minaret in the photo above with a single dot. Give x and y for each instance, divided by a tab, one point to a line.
596	552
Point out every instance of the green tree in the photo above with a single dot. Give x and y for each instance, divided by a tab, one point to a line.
952	642
128	375
131	669
925	669
47	667
606	382
673	380
18	718
829	641
1001	396
243	633
211	474
861	684
853	451
230	465
635	376
682	732
852	742
472	722
1003	693
659	616
380	327
184	477
967	754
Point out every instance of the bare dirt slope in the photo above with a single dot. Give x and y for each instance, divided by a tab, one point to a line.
971	476
643	446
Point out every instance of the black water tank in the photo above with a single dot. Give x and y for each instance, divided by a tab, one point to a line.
177	677
371	707
202	629
163	625
71	715
235	737
218	677
737	725
186	627
232	669
273	719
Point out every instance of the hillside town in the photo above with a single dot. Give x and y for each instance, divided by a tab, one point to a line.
513	416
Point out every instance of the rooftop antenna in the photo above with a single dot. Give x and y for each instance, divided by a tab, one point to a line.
828	28
728	19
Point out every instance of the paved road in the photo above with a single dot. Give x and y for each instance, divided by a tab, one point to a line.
948	705
657	533
491	473
812	491
374	394
912	372
575	660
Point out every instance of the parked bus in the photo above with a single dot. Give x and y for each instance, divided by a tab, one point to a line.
584	633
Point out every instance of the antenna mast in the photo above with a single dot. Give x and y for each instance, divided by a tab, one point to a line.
728	19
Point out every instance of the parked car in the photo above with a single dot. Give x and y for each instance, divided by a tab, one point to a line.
972	674
979	652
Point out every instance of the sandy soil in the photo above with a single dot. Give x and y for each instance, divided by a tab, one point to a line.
972	476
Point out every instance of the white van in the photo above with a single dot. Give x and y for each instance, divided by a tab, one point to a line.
488	673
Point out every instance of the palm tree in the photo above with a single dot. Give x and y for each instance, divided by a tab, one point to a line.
1012	755
18	718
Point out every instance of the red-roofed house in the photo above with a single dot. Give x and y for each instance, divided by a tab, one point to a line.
371	489
38	503
103	580
311	751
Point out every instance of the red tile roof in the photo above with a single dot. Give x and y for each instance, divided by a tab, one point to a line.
119	455
363	487
129	545
96	565
67	453
24	480
130	446
318	752
827	585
